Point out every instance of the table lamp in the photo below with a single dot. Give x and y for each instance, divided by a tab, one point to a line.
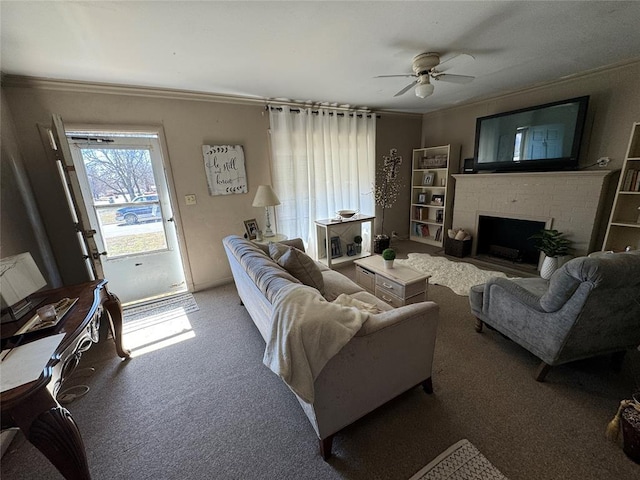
266	197
19	278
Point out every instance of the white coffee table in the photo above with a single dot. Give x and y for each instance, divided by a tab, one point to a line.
397	286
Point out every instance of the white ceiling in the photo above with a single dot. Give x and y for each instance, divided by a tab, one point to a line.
316	51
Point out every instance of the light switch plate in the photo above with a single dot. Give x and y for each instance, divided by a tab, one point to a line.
190	199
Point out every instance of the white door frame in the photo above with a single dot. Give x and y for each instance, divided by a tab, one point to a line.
167	171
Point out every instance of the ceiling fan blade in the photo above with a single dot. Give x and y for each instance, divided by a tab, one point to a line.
395	76
451	56
406	89
447	77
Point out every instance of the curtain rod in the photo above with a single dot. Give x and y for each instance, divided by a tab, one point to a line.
317	112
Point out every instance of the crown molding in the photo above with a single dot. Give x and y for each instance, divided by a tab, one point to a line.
19	81
540	86
42	83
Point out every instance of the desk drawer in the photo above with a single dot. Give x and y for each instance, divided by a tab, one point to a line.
366	279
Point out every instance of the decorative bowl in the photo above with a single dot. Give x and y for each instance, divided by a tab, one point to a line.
346	213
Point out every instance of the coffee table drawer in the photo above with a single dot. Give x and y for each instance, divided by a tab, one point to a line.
388	297
387	285
366	279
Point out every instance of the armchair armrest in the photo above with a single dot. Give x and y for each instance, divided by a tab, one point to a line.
519	293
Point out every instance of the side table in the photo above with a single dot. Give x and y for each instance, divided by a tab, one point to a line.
333	236
397	286
278	237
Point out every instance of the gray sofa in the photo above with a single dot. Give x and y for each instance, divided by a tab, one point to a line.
590	306
391	353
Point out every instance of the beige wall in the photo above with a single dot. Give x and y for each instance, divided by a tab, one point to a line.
614	105
188	121
403	133
20	222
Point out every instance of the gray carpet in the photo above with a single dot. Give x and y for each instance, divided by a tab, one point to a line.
206	408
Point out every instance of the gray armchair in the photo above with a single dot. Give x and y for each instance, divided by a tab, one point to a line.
589	307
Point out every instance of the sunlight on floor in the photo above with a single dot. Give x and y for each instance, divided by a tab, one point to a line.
157	331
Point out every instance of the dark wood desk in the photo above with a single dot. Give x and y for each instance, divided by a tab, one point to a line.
33	407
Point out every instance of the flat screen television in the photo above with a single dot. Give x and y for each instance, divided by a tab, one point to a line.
542	138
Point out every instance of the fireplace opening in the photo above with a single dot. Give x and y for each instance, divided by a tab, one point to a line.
508	239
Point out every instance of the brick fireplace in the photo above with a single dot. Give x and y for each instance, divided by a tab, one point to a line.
571	202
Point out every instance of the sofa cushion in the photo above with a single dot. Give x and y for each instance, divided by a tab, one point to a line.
335	283
294	242
298	264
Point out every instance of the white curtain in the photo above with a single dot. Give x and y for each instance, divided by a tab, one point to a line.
322	161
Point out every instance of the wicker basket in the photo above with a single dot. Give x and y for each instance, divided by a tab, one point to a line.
457	248
630	422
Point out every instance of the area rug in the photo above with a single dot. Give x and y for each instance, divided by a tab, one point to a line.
458	276
167	307
461	461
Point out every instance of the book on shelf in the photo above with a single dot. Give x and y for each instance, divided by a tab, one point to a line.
418	213
631	181
420	230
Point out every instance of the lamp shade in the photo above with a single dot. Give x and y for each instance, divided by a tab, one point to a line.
424	90
19	278
265	197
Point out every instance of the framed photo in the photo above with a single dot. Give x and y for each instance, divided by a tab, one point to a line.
422	198
336	249
439	216
437	199
427	179
251	226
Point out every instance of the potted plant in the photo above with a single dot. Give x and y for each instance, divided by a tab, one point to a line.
553	245
358	241
385	193
388	255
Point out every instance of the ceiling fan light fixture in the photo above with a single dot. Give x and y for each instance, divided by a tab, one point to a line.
423	90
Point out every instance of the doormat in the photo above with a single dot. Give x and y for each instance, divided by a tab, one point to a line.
461	461
164	308
458	276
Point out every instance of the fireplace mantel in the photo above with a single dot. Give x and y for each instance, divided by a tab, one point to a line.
572	200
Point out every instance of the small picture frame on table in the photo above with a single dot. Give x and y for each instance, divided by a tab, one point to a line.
251	226
422	198
427	179
336	249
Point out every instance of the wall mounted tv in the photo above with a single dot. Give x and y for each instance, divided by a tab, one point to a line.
542	138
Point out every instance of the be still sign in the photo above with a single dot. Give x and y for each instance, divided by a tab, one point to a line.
224	165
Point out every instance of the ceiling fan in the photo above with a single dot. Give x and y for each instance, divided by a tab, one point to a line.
424	69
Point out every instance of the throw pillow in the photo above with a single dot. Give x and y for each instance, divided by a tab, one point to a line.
298	264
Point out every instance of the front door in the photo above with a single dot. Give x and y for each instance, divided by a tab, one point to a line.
124	189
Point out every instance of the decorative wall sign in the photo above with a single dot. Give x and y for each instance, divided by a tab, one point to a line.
224	165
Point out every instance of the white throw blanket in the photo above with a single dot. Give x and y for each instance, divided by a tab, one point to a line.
306	332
